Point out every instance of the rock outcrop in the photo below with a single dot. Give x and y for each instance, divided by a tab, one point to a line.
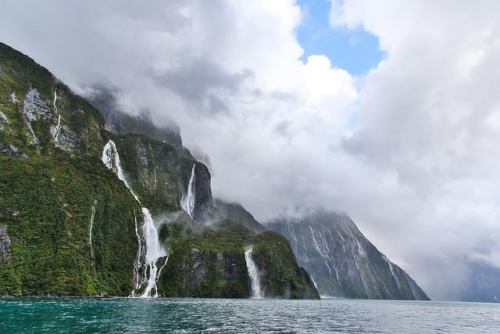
4	245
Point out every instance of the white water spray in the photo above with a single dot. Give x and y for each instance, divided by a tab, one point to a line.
111	159
188	200
154	249
253	273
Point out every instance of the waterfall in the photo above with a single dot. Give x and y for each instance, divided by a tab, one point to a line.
111	159
154	249
253	273
56	130
91	226
188	200
322	253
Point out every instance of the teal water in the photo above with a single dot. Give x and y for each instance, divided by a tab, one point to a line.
124	315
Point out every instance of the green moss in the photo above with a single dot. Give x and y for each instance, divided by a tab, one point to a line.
211	263
200	269
46	206
280	274
154	170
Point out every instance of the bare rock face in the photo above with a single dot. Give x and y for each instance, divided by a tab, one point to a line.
203	207
341	261
34	109
5	244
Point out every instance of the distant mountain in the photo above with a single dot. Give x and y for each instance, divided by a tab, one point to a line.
481	284
341	261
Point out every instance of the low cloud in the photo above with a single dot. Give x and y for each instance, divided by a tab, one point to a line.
409	150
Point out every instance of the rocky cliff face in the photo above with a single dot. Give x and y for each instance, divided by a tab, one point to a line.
71	225
4	245
341	261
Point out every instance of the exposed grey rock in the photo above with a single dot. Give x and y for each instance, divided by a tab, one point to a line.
12	150
203	205
3	118
63	137
5	244
34	108
67	139
341	261
13	98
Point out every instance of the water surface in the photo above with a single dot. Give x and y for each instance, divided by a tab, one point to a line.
125	315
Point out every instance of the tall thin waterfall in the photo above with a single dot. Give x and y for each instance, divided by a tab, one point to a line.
188	199
56	130
111	159
253	273
91	226
154	249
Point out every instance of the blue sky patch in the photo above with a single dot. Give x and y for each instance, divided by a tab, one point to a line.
354	50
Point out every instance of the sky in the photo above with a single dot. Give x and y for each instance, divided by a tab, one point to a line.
353	49
387	110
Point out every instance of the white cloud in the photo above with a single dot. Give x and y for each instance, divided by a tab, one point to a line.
410	153
430	114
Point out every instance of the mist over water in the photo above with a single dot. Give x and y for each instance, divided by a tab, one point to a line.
131	315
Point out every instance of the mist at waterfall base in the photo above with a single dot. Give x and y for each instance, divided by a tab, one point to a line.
147	260
253	273
160	315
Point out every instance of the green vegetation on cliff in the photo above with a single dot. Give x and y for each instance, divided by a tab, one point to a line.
48	208
68	224
211	263
69	220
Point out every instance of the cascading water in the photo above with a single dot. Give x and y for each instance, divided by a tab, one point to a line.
253	273
188	199
56	130
154	250
111	159
91	226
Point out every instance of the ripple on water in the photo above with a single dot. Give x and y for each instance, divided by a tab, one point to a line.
125	315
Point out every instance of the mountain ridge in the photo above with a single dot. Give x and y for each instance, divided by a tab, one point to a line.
72	224
341	261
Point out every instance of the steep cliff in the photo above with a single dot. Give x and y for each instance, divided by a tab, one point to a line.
87	211
211	263
65	219
341	261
